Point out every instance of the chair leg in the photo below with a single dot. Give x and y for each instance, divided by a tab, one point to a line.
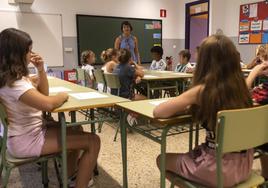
44	174
5	176
172	185
57	173
116	133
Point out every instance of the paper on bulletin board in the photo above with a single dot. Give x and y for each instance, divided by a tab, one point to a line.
255	37
157	35
256	25
253	10
244	25
265	24
157	24
149	26
265	37
244	38
245	10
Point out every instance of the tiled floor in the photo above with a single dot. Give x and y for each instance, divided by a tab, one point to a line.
142	170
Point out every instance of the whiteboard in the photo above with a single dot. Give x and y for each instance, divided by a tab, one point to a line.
44	29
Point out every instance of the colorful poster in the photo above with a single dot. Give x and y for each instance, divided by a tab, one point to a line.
149	26
157	35
256	25
265	37
265	24
157	25
244	25
245	10
255	37
253	10
244	38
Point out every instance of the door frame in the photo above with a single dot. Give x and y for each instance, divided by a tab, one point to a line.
188	19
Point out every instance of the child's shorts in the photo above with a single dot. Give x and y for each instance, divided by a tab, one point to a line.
27	145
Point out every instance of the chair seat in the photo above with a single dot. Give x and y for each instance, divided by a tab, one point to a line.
252	181
19	161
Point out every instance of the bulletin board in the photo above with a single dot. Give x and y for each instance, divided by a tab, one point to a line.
253	23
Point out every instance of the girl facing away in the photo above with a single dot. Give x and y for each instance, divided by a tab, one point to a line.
110	58
214	88
25	101
87	60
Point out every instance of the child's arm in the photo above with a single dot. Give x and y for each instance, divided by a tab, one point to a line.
261	69
178	104
42	102
38	62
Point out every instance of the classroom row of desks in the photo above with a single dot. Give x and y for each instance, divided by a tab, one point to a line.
82	98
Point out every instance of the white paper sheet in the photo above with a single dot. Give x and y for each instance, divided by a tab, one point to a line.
253	10
87	95
58	89
150	76
157	102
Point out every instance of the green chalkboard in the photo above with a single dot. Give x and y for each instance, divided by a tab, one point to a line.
98	33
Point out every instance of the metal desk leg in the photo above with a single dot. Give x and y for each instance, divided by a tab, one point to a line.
73	116
64	149
163	157
93	130
124	146
197	126
148	90
191	137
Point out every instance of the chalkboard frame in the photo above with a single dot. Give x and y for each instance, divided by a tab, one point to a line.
113	17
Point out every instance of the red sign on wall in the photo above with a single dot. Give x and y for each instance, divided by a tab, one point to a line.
163	13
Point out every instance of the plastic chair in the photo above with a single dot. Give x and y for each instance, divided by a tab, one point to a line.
8	162
113	82
99	78
236	130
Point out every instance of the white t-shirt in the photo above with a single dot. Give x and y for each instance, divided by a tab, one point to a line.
89	69
22	118
183	67
158	65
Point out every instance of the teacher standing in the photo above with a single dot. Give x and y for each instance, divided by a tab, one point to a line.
128	41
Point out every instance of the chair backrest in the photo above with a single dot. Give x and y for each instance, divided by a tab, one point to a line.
238	130
112	80
83	78
242	128
99	76
4	125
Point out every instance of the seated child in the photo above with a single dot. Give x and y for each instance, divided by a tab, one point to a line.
110	58
87	61
158	63
29	135
129	74
260	52
184	64
203	100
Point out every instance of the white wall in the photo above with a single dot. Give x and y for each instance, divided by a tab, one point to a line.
173	25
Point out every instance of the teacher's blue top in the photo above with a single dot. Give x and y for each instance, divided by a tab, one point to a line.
129	43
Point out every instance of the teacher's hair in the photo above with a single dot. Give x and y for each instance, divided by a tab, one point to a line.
126	23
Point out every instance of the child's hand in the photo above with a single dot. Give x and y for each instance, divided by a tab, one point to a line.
138	80
261	69
37	61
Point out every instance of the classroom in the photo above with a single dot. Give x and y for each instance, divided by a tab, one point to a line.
138	94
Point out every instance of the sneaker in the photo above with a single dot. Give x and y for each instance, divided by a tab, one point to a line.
72	179
132	120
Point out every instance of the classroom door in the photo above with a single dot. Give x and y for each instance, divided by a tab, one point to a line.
196	25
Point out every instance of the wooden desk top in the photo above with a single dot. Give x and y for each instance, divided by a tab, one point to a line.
74	104
164	75
145	108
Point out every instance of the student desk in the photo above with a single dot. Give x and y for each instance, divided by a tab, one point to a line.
73	104
154	80
166	127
